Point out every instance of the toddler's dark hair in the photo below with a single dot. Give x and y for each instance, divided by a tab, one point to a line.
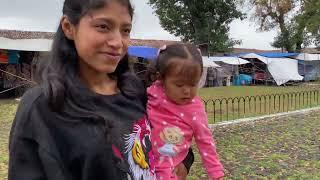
163	65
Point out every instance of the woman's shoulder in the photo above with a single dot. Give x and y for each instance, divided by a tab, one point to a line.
31	99
33	92
24	117
134	81
31	96
132	86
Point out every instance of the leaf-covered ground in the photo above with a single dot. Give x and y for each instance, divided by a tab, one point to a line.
278	148
7	111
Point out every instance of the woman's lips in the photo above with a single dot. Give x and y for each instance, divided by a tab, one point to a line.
112	56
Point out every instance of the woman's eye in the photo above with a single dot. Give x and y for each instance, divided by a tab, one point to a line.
102	27
127	31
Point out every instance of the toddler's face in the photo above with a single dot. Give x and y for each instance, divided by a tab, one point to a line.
179	91
181	87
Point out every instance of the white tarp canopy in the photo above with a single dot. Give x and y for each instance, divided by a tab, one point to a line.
281	69
255	56
203	78
284	70
25	44
208	63
308	57
229	60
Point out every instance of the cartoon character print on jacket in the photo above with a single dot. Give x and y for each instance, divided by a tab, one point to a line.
172	137
138	148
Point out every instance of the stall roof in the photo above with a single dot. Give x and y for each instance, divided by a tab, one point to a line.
255	56
277	54
208	62
307	57
143	52
25	44
45	45
229	60
266	54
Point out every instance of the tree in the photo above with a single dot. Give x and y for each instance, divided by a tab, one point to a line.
270	14
293	38
199	21
309	19
297	20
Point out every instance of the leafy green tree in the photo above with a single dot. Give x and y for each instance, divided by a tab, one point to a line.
309	19
199	21
297	20
293	38
271	14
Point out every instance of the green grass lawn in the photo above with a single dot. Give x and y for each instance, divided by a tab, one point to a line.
279	148
7	111
234	102
239	91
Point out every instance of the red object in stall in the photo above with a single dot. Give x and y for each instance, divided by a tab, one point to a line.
4	59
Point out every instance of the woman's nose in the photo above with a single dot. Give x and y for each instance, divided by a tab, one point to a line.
115	41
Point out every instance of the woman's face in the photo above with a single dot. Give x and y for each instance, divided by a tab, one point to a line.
102	37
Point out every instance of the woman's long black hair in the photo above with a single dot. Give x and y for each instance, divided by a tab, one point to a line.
60	70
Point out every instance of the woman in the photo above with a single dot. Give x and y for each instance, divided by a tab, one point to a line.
86	120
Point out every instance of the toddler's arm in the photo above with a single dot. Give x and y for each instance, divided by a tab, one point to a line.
206	145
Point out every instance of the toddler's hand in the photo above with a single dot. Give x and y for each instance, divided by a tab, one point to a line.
181	171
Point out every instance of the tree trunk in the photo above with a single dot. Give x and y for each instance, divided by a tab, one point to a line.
285	34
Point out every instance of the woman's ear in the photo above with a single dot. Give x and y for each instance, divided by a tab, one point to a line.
67	27
158	76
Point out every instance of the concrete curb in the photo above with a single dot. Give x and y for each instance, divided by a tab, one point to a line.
253	119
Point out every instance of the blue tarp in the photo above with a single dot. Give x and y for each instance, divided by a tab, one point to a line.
143	52
13	57
277	54
151	53
268	54
242	79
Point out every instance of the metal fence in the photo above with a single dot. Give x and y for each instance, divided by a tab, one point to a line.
249	106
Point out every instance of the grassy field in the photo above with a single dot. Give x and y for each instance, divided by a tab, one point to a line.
275	149
7	111
239	91
227	103
280	148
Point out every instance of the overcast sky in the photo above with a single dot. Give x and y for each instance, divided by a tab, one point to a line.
43	15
